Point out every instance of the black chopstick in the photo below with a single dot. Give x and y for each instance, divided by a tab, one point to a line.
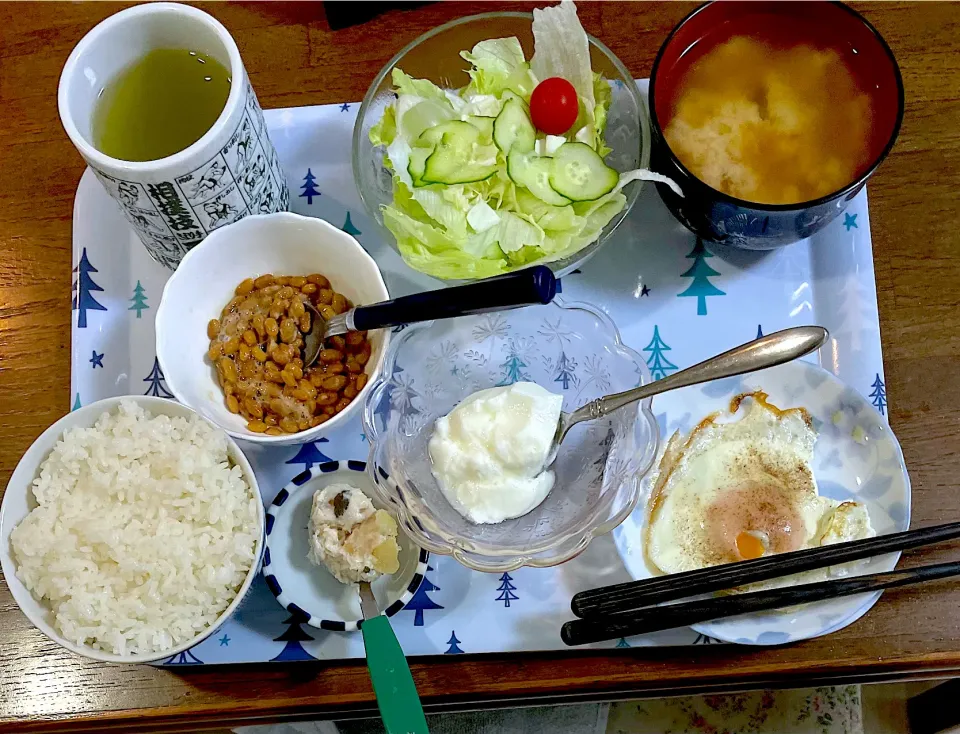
635	594
669	616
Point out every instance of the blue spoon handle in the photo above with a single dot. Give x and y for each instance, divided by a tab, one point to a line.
522	288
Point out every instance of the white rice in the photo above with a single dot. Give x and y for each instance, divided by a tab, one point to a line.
143	534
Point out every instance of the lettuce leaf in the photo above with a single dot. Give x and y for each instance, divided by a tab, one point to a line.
481	217
427	249
496	58
515	232
484	244
561	48
603	96
481	105
416	114
452	265
398	153
404	84
498	66
435	236
525	256
452	218
385	130
551	219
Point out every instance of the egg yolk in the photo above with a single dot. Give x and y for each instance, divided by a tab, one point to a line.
749	546
753	518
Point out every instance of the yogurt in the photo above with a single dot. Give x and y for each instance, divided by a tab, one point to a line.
488	453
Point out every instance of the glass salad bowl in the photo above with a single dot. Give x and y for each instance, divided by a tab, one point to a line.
435	56
572	349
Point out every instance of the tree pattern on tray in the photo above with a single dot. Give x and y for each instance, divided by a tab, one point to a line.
158	387
83	290
293	636
349	227
879	395
565	369
453	642
184	658
309	454
506	590
139	300
309	190
701	272
421	600
657	362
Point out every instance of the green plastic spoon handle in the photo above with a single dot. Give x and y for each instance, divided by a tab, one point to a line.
393	684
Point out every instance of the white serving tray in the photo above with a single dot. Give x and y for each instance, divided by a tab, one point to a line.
638	278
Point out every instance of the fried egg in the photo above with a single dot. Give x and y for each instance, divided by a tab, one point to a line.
741	487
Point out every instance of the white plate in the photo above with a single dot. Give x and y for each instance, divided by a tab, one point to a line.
311	592
856	457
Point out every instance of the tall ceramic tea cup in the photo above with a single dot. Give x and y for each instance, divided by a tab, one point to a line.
231	171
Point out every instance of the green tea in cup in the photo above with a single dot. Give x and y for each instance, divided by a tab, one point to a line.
159	105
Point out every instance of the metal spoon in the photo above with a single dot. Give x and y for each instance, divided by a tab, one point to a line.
767	351
513	290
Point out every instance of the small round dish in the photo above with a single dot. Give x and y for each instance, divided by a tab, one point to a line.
311	591
204	282
856	457
19	500
571	349
435	56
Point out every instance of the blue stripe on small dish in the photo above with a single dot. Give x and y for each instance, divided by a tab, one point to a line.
272	583
299	611
334	625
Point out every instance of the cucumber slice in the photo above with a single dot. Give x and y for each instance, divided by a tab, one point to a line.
449	167
484	125
455	155
513	129
417	164
459	158
455	128
533	173
580	174
423	115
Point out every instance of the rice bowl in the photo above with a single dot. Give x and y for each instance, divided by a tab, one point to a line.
131	529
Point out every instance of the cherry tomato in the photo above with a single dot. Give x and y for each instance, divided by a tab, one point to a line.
554	106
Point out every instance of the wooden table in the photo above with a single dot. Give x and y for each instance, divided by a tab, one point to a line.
295	59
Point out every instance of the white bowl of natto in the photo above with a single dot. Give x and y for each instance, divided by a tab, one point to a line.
207	280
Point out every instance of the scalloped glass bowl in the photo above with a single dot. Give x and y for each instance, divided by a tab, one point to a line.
436	56
572	349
